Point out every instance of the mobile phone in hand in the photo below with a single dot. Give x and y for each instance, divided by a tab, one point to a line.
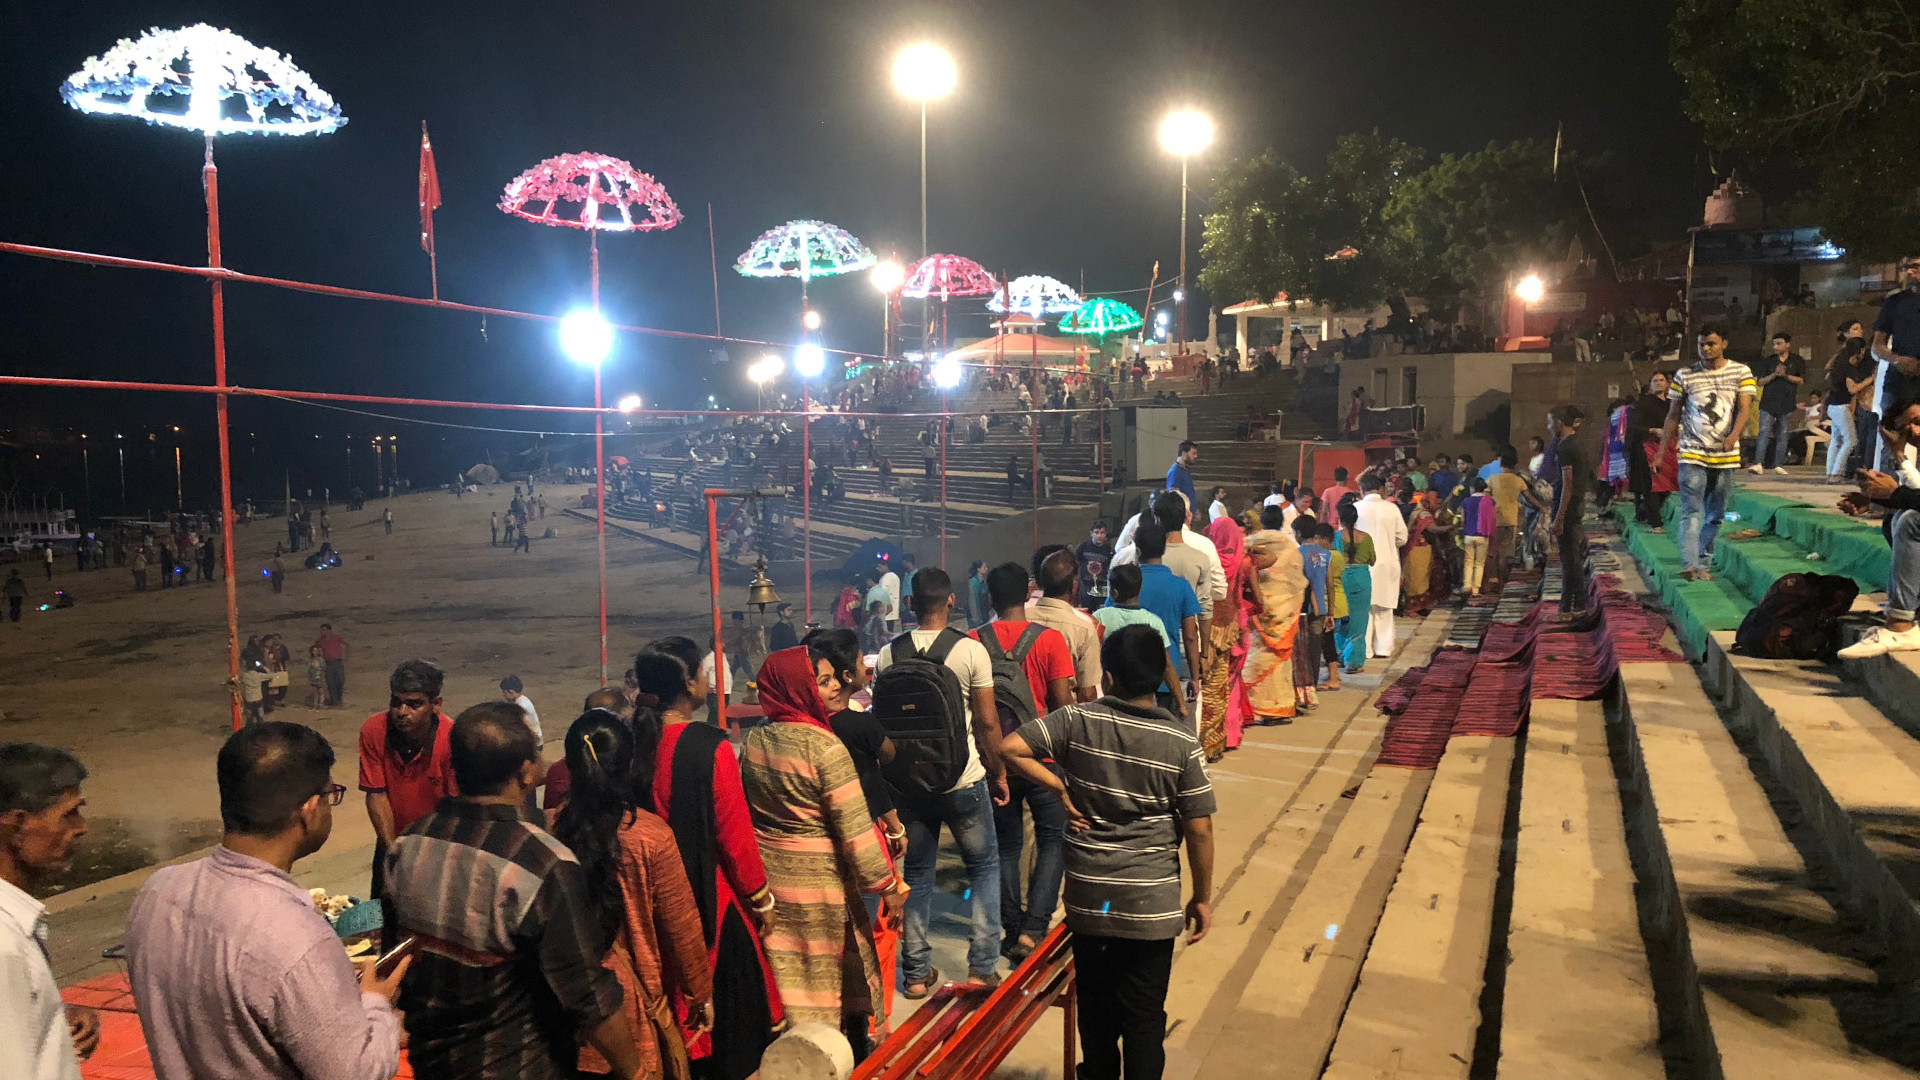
385	965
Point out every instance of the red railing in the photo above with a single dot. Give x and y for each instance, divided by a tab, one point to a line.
964	1031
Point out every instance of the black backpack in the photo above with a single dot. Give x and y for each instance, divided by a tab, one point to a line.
919	701
1012	691
1798	619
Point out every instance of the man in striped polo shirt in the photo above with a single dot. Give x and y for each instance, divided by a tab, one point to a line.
1708	405
1134	789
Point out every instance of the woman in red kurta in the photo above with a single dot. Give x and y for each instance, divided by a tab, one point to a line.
696	788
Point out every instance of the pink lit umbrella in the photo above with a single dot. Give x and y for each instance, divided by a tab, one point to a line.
947	276
599	186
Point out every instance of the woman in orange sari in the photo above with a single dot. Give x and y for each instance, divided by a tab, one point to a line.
1275	584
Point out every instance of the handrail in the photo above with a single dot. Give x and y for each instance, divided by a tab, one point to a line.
964	1031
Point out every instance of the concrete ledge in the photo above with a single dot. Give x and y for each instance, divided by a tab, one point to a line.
1855	774
1416	1008
1579	995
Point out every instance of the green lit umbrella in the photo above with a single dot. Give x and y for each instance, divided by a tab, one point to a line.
1101	317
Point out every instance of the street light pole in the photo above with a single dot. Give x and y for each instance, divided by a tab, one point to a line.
1180	297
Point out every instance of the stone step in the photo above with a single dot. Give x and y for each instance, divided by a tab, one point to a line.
1416	1008
1578	999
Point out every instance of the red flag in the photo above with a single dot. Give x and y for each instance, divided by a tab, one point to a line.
429	190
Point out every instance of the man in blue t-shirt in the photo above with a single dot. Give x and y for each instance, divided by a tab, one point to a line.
1169	596
1180	475
1896	344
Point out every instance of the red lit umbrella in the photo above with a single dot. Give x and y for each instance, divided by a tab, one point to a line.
946	276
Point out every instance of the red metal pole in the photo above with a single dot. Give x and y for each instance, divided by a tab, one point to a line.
943	476
210	180
806	494
599	468
713	572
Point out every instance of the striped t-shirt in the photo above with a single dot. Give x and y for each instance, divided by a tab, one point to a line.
1712	399
1136	774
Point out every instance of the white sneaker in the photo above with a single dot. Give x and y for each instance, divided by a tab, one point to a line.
1779	470
1756	469
1880	641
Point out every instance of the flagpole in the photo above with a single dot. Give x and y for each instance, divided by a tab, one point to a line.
429	201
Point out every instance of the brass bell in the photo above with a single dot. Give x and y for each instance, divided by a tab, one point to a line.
760	589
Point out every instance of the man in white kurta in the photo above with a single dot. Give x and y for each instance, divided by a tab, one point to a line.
1381	520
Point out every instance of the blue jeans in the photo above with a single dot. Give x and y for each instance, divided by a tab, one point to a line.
1773	440
1703	506
1032	913
1840	441
968	814
1903	579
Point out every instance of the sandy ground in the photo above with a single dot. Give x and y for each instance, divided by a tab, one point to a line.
134	682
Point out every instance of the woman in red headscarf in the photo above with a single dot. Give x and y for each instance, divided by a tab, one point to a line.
820	848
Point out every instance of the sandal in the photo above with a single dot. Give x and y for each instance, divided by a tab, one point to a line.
926	985
987	979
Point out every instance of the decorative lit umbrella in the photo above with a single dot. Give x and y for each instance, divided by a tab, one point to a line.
1100	317
592	181
143	78
185	78
945	276
806	250
1036	295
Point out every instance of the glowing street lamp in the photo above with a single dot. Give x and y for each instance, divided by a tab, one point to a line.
629	403
763	371
923	72
586	338
809	361
1184	133
1530	289
946	372
810	320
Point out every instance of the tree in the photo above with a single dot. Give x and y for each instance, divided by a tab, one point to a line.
1828	85
1472	220
1326	238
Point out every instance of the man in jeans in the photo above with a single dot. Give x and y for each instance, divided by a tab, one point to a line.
1901	496
1569	499
1779	379
1134	789
1025	914
1707	408
966	809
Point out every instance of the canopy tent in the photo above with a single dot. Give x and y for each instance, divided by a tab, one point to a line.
1017	347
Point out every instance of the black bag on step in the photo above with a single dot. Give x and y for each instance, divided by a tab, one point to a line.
1798	619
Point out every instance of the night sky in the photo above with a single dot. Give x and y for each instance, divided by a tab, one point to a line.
1043	161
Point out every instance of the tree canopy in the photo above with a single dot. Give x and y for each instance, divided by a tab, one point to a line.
1380	221
1826	85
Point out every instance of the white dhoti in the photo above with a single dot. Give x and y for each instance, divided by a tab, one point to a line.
1380	631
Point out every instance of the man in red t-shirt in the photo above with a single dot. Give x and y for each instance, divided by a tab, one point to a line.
406	759
1026	913
333	650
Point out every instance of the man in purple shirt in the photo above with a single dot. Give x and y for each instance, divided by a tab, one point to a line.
235	972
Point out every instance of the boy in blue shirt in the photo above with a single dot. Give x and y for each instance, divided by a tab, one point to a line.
1168	595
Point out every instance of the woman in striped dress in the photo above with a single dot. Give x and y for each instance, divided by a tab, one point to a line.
818	842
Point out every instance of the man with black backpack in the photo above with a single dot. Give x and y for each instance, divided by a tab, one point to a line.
934	695
1032	674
